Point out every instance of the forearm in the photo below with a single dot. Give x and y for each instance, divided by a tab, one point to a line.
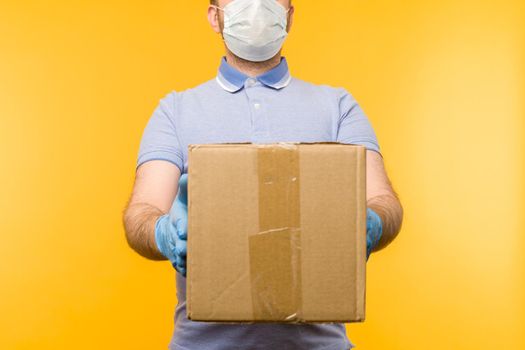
389	208
139	224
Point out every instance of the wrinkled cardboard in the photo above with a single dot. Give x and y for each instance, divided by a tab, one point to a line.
277	232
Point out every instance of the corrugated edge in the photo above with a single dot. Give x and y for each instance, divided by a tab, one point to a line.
361	238
189	247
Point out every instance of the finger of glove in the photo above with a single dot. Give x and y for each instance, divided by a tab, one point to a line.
179	218
373	228
182	227
180	248
180	261
180	269
369	219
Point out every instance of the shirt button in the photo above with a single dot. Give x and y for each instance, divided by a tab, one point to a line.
257	105
251	82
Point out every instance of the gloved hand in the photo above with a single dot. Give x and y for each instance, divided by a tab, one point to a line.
374	230
171	230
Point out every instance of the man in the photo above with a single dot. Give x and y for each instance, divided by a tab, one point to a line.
252	99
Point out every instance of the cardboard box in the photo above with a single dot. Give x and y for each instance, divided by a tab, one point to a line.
277	232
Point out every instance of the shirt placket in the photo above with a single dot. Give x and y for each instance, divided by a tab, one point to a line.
254	93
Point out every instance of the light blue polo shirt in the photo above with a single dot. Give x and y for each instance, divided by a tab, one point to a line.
272	107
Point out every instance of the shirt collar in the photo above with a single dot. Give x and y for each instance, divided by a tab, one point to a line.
232	80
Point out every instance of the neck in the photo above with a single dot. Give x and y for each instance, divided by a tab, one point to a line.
252	69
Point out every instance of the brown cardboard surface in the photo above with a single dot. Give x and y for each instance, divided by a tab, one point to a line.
277	232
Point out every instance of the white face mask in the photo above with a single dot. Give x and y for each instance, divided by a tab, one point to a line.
254	30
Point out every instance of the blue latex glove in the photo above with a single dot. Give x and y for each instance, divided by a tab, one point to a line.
171	230
374	230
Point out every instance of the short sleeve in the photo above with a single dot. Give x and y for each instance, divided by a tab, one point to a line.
354	126
159	139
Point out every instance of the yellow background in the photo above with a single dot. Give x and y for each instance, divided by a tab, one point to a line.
443	83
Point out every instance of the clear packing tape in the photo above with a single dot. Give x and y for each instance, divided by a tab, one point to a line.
275	250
